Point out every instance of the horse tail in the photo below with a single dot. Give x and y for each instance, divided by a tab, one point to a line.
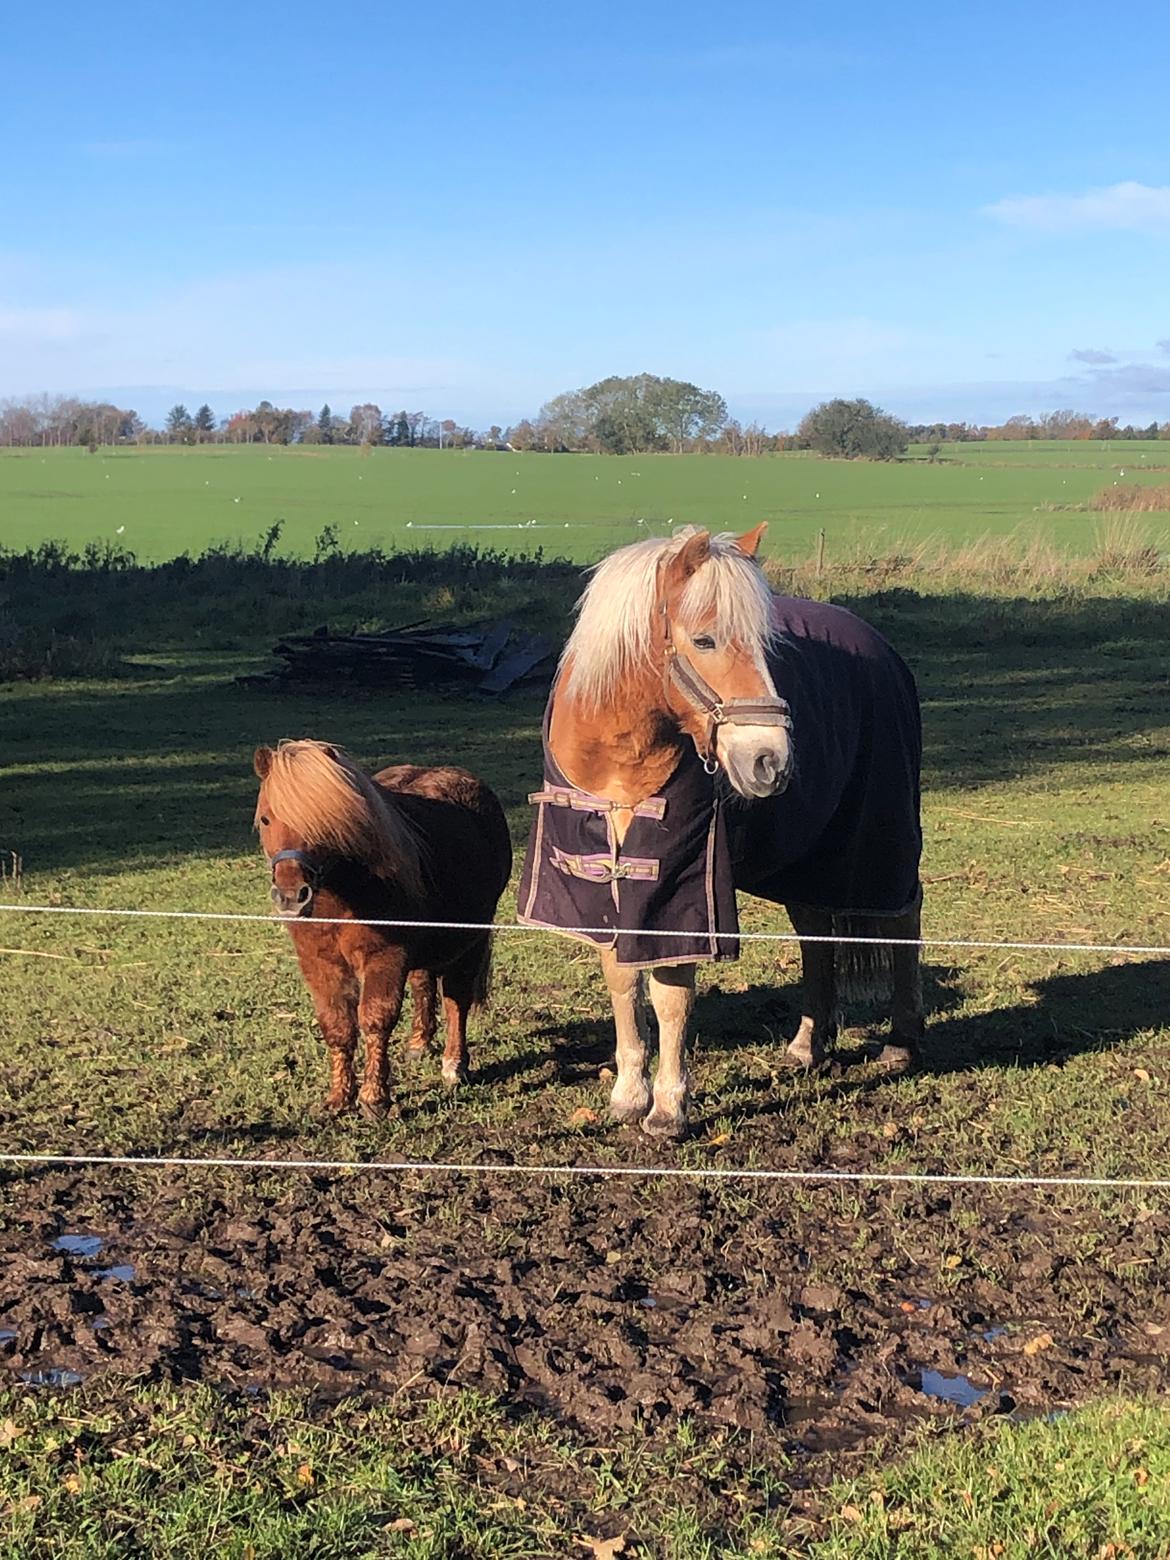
495	826
481	979
864	970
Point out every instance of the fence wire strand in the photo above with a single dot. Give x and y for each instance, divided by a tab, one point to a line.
506	927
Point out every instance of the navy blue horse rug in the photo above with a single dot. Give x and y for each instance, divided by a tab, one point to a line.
843	837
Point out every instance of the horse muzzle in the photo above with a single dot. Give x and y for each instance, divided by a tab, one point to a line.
294	898
297	903
759	772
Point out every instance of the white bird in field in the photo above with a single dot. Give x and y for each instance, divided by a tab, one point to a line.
357	522
409	523
119	530
513	490
235	500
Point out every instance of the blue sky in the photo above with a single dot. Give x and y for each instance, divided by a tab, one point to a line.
959	211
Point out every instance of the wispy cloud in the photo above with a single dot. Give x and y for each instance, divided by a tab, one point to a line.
1091	355
1127	207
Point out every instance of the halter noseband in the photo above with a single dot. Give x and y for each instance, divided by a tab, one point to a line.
764	710
313	870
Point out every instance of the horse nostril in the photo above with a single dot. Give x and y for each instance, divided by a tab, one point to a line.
304	894
766	769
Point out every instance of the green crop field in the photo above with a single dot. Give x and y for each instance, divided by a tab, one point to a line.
160	502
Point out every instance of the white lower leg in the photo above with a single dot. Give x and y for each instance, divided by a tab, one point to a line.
629	1098
672	992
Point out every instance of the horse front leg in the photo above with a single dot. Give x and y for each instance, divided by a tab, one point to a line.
908	1024
383	977
818	988
629	1099
333	988
672	993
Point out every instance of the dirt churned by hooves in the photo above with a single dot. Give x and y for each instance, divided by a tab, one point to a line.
827	1319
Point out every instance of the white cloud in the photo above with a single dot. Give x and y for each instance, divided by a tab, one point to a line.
1091	355
1127	207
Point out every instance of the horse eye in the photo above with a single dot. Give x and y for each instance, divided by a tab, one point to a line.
703	642
265	822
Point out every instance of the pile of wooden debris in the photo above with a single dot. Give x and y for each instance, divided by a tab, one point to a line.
488	659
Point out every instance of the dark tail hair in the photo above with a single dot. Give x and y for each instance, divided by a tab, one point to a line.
864	970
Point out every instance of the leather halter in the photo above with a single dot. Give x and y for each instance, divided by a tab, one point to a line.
313	870
763	710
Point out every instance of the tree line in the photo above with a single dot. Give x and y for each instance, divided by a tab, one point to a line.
635	415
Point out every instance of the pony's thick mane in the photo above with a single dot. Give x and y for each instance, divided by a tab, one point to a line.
318	791
616	632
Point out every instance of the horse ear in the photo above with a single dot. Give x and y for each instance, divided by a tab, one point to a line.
694	552
749	542
262	762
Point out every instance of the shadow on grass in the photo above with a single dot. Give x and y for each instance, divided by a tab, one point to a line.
1073	1014
141	771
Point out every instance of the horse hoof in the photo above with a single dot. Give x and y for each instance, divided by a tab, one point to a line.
895	1059
335	1105
373	1109
669	1128
454	1076
630	1108
802	1059
416	1054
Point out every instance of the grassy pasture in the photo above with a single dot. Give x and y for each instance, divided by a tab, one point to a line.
159	502
1047	737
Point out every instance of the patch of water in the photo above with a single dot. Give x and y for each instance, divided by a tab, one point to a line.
78	1245
951	1389
7	1334
100	1323
121	1270
992	1333
54	1377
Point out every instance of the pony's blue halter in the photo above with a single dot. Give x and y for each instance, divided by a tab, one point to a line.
313	870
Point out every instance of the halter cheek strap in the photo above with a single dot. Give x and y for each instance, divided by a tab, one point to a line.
763	710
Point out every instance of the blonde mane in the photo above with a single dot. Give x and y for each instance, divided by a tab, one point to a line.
617	633
317	790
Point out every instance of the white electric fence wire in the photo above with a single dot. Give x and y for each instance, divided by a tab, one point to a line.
587	931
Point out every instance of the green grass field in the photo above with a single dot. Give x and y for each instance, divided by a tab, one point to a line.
1047	732
160	502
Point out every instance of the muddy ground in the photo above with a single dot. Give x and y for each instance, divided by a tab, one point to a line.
823	1317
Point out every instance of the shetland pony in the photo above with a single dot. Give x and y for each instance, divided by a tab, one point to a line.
705	736
410	844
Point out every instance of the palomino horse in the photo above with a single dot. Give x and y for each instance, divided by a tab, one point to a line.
704	735
411	844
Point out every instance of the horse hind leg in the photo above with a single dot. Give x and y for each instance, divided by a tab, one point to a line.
629	1099
464	987
818	988
908	1023
424	999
